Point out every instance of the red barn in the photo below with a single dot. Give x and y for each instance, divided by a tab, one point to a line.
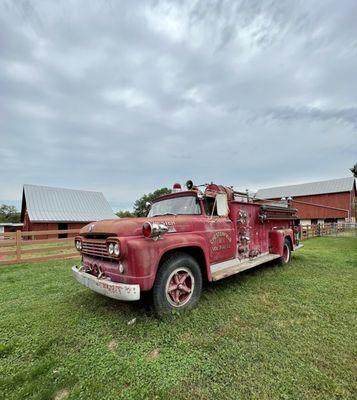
47	208
318	202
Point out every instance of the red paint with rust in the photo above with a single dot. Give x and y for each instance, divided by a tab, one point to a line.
251	228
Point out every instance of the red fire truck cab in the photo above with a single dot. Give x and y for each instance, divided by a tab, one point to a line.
189	236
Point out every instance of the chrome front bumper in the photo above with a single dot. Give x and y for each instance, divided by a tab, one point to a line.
115	290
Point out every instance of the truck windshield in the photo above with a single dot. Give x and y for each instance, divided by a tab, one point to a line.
187	205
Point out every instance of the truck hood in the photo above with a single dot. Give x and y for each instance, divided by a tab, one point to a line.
133	226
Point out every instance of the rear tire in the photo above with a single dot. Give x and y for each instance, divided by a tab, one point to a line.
178	284
286	257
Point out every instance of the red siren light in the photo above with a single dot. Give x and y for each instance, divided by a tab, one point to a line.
176	187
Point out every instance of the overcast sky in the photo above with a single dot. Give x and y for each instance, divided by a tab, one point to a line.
126	97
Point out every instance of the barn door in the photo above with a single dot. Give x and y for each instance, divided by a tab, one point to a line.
62	226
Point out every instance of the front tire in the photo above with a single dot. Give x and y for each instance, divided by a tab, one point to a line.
178	284
286	257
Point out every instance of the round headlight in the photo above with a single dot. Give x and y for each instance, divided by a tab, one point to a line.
78	245
116	249
111	248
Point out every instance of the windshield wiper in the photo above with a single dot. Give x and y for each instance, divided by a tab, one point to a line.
167	213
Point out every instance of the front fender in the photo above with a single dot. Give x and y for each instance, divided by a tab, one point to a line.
144	255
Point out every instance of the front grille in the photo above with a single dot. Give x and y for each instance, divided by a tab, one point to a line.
95	248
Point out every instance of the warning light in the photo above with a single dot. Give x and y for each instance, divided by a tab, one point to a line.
176	187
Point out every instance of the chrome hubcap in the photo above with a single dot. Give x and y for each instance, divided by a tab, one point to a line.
179	287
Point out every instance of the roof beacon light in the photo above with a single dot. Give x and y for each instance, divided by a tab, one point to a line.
176	188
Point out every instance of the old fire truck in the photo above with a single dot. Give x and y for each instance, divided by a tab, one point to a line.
199	233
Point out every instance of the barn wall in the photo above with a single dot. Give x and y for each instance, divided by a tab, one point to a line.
353	201
43	226
75	225
12	228
53	226
338	200
26	223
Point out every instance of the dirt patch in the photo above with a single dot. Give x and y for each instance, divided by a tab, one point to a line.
61	394
153	354
112	346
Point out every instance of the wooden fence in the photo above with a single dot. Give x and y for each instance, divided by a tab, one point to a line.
23	247
332	229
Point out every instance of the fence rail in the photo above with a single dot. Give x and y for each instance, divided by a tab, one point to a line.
332	229
23	247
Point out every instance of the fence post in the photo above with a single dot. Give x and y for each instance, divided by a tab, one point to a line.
18	246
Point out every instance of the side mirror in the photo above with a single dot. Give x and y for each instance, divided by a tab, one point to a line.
222	204
148	205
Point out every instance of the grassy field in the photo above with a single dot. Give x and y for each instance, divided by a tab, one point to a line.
272	333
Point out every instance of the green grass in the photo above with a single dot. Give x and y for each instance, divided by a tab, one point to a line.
272	333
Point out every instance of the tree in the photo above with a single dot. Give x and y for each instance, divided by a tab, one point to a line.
140	207
125	214
9	214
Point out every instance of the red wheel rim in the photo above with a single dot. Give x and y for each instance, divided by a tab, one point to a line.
179	287
286	253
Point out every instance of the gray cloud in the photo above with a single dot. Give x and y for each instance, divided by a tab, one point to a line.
346	115
128	97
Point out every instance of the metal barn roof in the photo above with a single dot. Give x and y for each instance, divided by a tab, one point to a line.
304	189
45	203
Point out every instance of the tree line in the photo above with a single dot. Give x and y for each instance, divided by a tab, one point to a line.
9	214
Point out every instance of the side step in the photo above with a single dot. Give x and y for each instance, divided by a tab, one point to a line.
231	267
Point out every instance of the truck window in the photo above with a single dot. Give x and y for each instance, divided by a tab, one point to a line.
184	205
210	206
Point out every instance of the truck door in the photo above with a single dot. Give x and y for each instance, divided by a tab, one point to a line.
219	234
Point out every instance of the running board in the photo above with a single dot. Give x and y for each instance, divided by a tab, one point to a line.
231	267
